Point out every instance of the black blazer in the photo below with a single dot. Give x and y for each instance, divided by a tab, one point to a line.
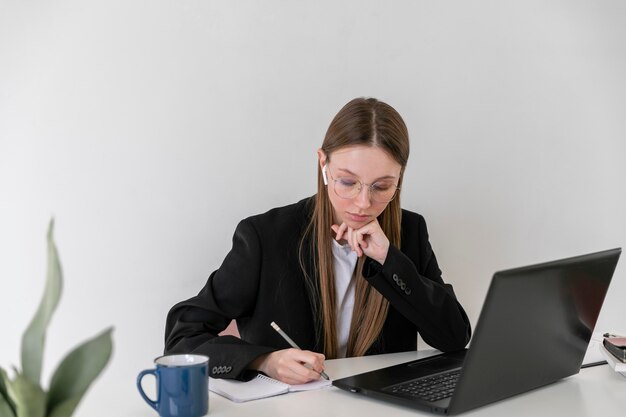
261	281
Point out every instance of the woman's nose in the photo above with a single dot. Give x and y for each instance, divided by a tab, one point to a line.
362	199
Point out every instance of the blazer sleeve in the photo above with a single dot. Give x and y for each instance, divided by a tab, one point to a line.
411	280
192	326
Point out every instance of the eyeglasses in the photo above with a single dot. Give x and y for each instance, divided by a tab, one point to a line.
380	191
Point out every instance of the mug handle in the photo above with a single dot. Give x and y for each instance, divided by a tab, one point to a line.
153	404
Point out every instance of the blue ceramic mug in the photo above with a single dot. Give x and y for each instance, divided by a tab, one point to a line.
182	385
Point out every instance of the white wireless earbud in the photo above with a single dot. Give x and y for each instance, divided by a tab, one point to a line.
324	175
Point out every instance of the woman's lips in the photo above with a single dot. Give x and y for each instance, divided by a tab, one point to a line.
358	217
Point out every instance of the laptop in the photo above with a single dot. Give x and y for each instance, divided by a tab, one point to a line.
533	330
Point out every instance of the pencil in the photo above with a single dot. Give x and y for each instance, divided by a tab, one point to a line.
292	343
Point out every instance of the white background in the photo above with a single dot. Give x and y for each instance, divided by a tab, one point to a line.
148	129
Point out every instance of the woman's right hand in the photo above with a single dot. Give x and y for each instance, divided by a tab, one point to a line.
291	366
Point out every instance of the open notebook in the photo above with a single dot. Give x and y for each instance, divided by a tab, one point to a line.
260	387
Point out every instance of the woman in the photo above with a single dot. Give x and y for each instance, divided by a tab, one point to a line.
344	273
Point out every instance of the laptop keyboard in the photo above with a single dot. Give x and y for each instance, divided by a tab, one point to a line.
429	388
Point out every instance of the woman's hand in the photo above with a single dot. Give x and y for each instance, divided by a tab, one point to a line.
291	366
369	240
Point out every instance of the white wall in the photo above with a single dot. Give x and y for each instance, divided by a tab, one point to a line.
150	128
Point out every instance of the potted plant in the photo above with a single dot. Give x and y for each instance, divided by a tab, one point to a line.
22	395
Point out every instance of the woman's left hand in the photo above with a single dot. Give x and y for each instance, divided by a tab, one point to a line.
369	240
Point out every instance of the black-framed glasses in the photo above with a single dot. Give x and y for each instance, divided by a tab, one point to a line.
382	191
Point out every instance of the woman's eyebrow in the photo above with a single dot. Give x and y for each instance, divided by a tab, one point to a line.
385	177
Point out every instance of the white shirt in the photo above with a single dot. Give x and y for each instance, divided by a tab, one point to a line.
343	265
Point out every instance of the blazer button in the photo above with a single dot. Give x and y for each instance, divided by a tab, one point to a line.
402	286
407	291
214	369
229	368
395	277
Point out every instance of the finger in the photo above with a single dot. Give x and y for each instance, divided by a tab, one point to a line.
360	238
292	376
313	359
303	372
370	233
373	241
318	363
339	230
349	238
355	240
354	243
297	380
297	366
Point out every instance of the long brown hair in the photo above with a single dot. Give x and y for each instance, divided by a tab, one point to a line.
365	122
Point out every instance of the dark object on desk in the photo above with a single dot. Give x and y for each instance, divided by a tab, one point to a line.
533	330
592	364
616	346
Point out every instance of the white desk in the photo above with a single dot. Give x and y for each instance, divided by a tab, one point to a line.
596	391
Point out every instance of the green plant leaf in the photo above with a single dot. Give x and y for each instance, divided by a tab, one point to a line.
34	337
76	372
66	408
7	407
29	398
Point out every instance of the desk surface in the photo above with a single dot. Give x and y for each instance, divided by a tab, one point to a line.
594	391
